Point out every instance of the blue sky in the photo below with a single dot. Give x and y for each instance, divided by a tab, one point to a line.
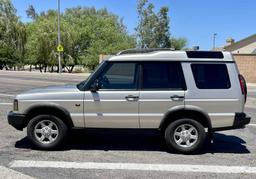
195	20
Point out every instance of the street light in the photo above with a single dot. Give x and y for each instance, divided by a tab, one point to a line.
214	39
59	40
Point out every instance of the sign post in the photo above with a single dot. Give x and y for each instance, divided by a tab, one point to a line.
59	39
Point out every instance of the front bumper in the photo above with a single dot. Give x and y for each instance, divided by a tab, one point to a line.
240	121
16	120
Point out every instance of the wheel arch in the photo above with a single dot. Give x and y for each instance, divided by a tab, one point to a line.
188	112
50	109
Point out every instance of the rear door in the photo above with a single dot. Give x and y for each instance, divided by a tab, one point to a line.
161	89
214	88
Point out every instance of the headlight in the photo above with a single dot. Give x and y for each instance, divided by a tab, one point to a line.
15	105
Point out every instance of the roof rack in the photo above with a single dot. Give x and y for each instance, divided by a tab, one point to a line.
143	50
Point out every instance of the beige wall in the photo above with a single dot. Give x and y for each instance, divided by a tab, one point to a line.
247	66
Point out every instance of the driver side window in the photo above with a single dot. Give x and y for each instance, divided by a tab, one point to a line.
119	75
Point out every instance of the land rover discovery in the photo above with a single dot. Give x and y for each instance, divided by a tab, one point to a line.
186	95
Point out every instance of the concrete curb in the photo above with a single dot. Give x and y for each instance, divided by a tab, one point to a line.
7	173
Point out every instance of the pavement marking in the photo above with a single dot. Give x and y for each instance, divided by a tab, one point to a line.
254	125
5	103
7	173
9	95
134	166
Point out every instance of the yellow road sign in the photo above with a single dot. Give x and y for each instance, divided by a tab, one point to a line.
60	48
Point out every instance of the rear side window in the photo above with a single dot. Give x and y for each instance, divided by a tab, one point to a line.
211	76
163	75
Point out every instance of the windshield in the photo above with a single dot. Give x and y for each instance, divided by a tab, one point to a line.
81	85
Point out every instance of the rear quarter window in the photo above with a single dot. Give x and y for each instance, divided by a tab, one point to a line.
163	76
211	76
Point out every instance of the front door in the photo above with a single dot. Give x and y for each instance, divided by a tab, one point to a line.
115	104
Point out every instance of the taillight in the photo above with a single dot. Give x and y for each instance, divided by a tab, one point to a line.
243	86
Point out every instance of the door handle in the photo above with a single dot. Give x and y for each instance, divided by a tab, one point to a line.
132	98
177	98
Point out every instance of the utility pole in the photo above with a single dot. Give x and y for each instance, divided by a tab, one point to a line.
59	37
214	41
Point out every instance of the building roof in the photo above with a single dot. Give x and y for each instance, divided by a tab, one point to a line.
241	43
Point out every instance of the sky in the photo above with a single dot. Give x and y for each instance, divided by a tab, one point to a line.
195	20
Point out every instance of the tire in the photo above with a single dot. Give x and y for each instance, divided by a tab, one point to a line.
194	133
47	138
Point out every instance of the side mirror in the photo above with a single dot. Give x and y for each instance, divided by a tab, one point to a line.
95	86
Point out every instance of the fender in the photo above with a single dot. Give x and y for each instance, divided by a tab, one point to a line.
52	106
200	110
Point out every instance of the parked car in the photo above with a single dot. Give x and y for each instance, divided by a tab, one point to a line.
186	95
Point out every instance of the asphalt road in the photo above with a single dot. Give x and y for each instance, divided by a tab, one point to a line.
230	148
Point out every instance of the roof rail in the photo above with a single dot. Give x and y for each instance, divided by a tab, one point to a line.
143	50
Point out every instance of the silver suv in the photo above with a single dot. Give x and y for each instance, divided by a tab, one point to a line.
187	95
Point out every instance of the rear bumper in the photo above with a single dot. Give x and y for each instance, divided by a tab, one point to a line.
240	121
16	120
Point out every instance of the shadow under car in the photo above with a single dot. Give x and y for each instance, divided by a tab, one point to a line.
137	140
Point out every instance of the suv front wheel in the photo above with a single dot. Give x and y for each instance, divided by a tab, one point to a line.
46	131
185	136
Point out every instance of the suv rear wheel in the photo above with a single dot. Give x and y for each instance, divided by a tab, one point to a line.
46	131
185	136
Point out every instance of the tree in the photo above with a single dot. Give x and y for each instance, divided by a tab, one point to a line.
153	30
86	33
163	28
42	40
147	24
178	43
31	12
96	32
12	36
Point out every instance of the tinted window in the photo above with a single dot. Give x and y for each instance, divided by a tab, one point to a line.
211	76
204	54
119	76
163	75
